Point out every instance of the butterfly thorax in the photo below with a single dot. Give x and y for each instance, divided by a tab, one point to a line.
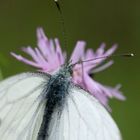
56	91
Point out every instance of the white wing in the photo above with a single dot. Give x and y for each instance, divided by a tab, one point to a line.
21	112
83	118
21	107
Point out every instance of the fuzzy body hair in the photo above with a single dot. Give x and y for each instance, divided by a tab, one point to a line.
55	93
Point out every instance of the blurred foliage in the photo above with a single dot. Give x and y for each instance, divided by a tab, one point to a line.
110	21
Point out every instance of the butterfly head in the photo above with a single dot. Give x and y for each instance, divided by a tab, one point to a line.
67	70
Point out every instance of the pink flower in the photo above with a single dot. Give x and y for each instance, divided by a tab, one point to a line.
48	57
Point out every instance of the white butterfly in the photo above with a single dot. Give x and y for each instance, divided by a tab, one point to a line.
73	113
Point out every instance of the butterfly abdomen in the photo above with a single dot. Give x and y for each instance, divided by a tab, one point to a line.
56	91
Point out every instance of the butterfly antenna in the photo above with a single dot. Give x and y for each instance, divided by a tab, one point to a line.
62	22
107	56
83	75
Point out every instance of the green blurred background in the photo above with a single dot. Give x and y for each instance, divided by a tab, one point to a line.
110	21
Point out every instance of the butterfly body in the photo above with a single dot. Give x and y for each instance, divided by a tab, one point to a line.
55	92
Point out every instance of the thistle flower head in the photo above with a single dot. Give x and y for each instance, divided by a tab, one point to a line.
48	56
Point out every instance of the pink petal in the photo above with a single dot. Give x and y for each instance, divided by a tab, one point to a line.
111	50
103	67
41	59
43	42
117	94
78	51
32	53
22	59
89	54
100	50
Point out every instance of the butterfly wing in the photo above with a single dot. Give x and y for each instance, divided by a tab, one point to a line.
21	111
21	106
83	118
